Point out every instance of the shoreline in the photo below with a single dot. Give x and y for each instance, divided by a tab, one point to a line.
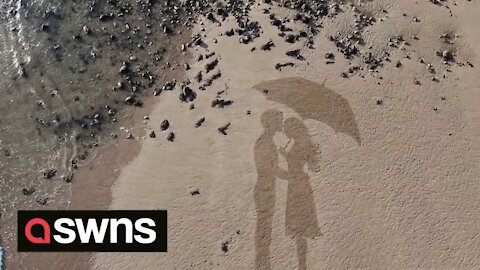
91	187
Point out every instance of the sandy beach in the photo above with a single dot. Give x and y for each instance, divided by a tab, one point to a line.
282	142
404	196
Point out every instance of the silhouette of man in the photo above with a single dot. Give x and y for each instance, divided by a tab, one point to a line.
266	160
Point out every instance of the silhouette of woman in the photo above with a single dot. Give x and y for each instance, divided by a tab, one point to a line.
301	216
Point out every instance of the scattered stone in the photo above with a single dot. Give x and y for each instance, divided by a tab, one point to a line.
187	95
68	178
129	100
171	136
28	191
229	33
45	27
223	129
42	201
208	55
291	38
221	103
195	192
157	92
105	17
210	66
169	86
199	76
199	122
224	246
447	55
22	72
295	53
49	173
279	66
330	56
86	30
164	125
268	46
124	68
152	134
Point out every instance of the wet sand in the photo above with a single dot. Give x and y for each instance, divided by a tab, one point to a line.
406	197
91	188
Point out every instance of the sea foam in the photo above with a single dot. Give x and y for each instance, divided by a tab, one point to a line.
1	258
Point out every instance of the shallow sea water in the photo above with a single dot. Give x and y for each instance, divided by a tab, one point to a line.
56	90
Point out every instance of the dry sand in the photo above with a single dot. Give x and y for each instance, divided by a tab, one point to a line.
407	197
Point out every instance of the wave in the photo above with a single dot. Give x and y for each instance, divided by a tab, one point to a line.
1	258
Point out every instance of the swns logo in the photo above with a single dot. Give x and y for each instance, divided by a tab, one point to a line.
99	231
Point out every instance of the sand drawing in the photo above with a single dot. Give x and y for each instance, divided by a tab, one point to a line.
266	160
311	101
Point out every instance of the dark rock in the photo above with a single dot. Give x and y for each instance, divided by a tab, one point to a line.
210	66
123	69
86	30
447	55
68	178
329	55
229	33
291	38
211	17
208	55
42	201
221	103
199	122
105	17
169	86
28	191
187	95
199	76
152	134
138	103
225	246
223	129
268	46
293	53
164	125
167	29
49	173
130	100
280	65
45	27
171	136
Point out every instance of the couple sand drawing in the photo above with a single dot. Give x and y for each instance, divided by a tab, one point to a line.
310	101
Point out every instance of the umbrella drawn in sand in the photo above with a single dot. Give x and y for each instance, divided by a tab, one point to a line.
313	101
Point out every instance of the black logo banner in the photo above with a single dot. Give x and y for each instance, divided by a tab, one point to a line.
98	231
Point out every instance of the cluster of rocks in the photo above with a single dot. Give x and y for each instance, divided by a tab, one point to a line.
107	54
